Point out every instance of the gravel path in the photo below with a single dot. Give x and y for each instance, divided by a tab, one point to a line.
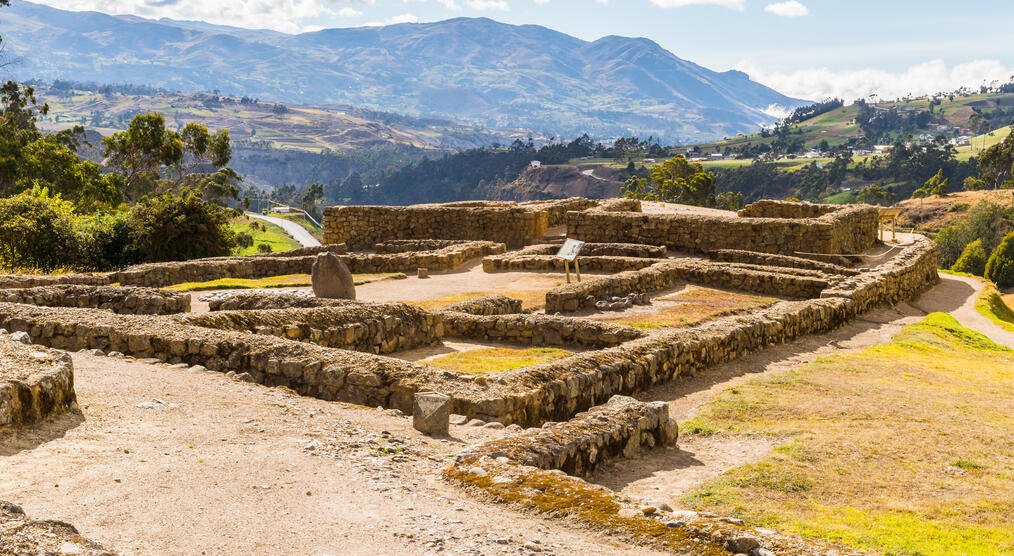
165	461
297	232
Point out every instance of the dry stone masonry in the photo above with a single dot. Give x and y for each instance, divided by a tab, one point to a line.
125	299
35	382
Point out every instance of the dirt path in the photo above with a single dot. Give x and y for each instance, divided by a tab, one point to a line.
165	461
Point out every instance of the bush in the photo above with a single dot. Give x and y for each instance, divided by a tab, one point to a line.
168	227
263	248
244	240
108	242
987	221
39	232
972	259
1000	267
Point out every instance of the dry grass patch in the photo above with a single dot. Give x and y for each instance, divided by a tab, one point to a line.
494	360
905	448
694	306
287	281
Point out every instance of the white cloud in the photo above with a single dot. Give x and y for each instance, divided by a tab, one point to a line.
349	12
731	4
403	18
500	5
792	8
281	15
924	79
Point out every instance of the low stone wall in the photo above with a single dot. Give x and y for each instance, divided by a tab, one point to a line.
489	305
337	249
447	258
362	227
769	208
538	330
531	396
620	205
600	250
21	281
406	245
621	428
365	327
552	263
659	276
556	210
35	382
125	299
767	259
846	230
254	300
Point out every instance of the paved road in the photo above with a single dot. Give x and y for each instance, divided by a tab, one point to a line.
297	232
591	174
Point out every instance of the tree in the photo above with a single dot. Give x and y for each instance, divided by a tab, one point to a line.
974	184
873	194
314	193
996	162
674	181
972	260
1000	267
170	227
937	185
153	158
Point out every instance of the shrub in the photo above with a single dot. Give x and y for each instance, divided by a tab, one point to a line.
974	184
108	242
171	227
987	221
38	231
244	240
972	259
1000	267
263	248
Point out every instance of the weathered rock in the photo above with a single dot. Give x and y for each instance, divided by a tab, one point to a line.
21	337
431	412
331	279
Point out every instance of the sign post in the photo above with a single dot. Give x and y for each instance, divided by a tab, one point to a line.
568	253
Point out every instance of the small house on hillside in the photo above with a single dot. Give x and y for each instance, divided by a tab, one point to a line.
536	164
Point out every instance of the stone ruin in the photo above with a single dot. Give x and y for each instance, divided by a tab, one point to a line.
573	412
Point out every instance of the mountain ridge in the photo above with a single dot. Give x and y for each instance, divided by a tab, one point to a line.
476	70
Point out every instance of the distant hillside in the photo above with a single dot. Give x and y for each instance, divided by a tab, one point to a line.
473	70
562	181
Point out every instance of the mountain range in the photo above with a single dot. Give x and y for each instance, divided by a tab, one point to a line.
474	70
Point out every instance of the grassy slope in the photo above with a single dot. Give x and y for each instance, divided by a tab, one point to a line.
273	235
904	448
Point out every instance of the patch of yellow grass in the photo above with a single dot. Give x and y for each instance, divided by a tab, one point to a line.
494	360
995	306
693	307
905	448
288	281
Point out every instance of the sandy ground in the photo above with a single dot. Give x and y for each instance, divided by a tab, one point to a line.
164	461
656	207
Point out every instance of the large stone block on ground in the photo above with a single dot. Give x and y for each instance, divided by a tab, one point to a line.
331	279
431	412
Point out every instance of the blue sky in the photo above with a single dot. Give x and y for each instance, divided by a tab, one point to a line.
808	48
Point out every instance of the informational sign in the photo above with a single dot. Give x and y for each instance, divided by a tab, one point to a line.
570	249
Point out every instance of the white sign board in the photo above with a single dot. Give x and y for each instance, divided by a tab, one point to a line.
570	249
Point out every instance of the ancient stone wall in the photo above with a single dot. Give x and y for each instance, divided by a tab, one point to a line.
847	230
254	300
126	299
365	327
620	428
768	208
406	245
767	259
488	305
35	382
552	263
531	396
659	276
362	227
447	258
538	330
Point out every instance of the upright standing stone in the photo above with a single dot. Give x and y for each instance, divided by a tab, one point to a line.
331	279
431	413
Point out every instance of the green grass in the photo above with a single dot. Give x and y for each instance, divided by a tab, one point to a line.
494	360
904	448
991	305
271	234
288	281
